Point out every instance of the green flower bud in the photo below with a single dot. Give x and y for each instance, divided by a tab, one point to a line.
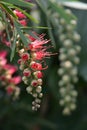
72	106
76	60
72	52
67	43
61	71
66	78
66	111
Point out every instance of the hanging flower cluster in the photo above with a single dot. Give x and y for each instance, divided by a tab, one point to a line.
7	80
32	64
69	60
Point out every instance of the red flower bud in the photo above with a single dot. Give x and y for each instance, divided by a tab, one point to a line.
23	22
34	83
38	74
25	56
36	66
27	72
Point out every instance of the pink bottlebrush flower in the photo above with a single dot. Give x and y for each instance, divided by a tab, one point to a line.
23	22
19	14
15	80
27	72
25	56
39	55
37	45
36	66
38	74
10	68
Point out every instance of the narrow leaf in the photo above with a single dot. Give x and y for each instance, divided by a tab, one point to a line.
13	46
23	38
19	3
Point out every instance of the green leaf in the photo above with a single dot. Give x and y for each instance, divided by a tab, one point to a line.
37	27
13	46
19	3
23	38
51	34
6	24
8	10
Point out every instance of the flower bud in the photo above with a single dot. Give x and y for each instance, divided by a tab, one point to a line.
76	60
29	89
34	83
38	89
39	81
41	95
72	52
38	74
68	65
66	111
66	78
76	37
67	43
27	72
21	52
72	106
61	71
25	56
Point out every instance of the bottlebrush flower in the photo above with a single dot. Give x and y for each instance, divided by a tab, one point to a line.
37	45
34	55
39	55
6	76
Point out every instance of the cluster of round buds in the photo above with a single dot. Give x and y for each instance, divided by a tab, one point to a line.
32	64
69	60
8	81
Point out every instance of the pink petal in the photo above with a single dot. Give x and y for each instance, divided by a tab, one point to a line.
3	62
16	80
3	54
10	68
